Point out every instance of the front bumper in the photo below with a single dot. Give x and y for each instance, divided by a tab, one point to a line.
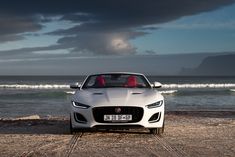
86	118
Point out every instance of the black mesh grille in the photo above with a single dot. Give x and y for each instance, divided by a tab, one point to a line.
136	112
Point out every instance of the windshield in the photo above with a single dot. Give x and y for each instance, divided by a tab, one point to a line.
116	80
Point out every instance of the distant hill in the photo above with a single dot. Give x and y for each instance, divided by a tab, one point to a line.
222	65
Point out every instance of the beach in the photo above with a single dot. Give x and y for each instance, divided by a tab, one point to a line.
34	120
186	134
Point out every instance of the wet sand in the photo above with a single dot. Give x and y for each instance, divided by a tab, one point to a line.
186	134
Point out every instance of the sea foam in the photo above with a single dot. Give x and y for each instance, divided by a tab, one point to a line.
41	86
69	92
168	91
212	85
166	86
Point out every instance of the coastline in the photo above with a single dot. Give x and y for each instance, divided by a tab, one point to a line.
187	133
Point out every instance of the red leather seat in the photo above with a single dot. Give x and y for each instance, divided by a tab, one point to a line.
100	81
131	81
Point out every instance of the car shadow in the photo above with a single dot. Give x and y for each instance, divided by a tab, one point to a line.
118	131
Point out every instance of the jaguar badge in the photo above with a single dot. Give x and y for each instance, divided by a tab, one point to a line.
118	110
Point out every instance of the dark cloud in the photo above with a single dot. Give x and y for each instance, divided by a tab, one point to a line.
115	10
103	26
78	17
11	26
7	38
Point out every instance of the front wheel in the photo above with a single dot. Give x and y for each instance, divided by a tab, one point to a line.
71	129
157	131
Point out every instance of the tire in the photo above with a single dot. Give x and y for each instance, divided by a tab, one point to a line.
71	129
163	127
158	131
155	131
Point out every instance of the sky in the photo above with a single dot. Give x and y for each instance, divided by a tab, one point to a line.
39	35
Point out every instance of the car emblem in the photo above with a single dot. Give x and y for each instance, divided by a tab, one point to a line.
118	110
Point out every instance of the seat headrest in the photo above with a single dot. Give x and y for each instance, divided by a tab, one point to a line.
131	81
100	81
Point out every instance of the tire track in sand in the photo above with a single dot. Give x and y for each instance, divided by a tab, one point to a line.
171	150
38	148
73	142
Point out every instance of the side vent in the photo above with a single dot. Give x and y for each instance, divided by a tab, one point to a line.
155	118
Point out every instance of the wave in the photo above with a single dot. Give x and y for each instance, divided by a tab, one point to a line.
41	86
212	85
166	86
168	91
69	92
232	90
162	92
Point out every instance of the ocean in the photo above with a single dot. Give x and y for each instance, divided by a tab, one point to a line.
49	96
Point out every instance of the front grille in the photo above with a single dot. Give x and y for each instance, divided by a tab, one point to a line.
136	112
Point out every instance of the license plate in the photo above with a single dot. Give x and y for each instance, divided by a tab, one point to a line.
120	117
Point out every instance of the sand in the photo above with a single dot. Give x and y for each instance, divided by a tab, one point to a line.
186	134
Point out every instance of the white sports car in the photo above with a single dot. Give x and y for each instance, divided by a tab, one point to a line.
117	101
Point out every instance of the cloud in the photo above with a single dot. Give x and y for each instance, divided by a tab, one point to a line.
103	27
85	44
7	38
12	26
102	43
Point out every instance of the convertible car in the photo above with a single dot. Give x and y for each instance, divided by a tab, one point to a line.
117	101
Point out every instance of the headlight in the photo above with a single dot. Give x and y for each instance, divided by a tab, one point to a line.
156	104
80	105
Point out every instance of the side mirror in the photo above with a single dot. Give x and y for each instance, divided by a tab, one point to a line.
156	85
75	86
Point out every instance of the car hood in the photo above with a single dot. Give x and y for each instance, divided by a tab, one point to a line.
117	96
